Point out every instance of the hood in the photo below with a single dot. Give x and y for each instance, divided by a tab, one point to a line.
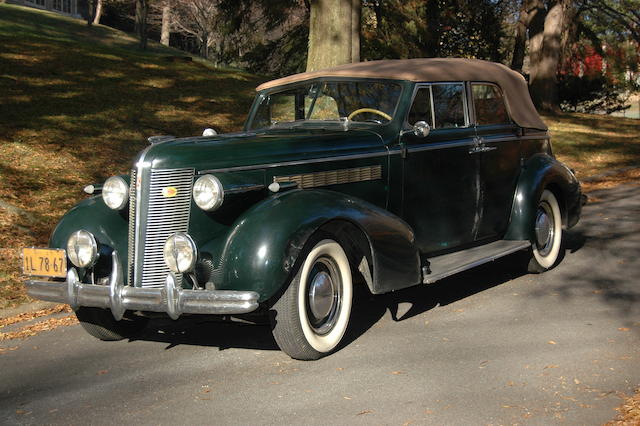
258	148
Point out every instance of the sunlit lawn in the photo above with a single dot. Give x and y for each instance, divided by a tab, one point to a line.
77	103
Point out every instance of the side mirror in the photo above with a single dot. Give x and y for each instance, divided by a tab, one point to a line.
421	129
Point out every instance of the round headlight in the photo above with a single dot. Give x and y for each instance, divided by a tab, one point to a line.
180	253
115	193
82	249
208	192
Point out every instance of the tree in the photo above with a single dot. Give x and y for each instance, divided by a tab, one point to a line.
334	33
165	31
95	12
142	11
433	28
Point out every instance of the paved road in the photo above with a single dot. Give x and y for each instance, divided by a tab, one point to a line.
491	346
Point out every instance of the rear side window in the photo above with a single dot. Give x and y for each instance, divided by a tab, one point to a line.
489	104
440	105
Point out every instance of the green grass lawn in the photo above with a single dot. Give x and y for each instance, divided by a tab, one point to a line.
78	102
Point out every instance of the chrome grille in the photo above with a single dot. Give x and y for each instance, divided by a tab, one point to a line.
163	214
132	225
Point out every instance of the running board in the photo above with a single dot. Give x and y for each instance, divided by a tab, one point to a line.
452	263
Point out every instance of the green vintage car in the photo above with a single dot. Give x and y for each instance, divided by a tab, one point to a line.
387	173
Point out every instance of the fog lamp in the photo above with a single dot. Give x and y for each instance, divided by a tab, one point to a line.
180	253
82	249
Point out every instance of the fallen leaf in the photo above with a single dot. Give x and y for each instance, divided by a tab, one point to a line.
397	372
551	342
576	381
101	372
623	329
483	364
428	411
551	366
26	316
364	412
346	397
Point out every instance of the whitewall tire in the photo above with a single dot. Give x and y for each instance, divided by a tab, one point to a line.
547	236
312	315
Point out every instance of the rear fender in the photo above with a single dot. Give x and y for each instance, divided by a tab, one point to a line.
541	172
262	249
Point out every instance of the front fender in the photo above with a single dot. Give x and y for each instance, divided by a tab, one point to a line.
108	226
262	248
540	172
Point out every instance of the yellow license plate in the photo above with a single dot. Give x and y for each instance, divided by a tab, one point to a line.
44	262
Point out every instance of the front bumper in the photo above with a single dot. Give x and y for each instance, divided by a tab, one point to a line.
120	298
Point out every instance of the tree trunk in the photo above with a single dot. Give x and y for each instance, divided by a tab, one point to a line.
98	14
165	32
434	32
334	33
141	22
91	11
545	53
520	43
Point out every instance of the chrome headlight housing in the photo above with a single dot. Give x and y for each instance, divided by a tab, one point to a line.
180	253
82	249
208	192
115	193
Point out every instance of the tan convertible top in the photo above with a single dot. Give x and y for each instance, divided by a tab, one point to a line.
513	84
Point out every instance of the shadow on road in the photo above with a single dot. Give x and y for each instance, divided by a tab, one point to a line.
367	310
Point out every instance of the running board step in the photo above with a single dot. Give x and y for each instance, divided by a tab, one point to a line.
452	263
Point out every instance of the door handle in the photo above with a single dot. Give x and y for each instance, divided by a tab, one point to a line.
479	146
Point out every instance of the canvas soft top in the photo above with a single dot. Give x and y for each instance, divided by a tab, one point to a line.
513	84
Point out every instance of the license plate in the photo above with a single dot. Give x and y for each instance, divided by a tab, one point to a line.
44	262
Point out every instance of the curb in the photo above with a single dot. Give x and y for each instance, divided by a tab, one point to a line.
27	307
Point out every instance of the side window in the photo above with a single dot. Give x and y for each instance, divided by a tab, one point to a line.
448	105
283	108
489	104
421	108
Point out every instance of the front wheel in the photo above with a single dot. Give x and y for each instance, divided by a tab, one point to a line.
312	314
100	324
547	234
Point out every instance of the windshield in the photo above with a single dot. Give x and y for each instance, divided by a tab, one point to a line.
357	101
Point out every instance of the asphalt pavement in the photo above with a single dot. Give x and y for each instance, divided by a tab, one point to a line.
489	346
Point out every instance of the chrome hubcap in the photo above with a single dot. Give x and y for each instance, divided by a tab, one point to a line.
323	295
544	229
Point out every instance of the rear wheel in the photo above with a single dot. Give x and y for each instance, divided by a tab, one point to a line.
312	314
100	324
547	242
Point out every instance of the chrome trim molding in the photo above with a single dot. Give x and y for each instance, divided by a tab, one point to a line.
333	177
429	279
296	163
240	189
120	298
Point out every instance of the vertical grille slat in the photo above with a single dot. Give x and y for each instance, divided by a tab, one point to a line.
158	217
132	225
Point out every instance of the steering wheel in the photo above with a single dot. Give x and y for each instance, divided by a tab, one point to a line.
375	111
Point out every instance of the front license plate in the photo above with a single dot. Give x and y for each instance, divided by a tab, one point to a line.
44	262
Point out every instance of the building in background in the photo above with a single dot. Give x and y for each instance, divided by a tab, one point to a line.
73	8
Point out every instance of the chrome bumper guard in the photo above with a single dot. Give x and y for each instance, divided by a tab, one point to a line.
120	298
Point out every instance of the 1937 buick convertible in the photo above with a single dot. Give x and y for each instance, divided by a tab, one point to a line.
396	173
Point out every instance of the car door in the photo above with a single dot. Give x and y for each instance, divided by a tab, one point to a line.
498	149
441	183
